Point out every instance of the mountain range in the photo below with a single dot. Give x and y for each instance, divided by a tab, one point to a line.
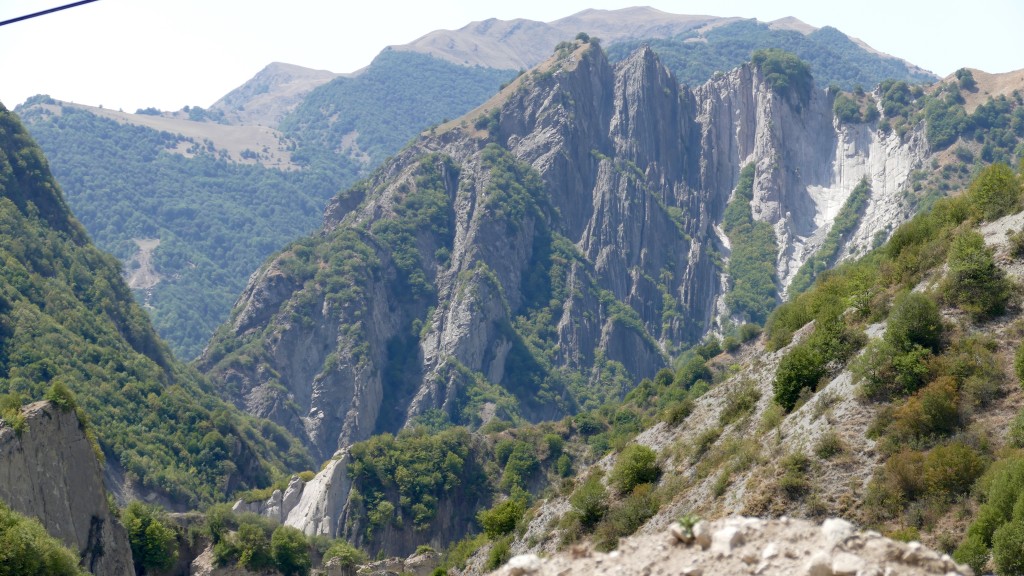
673	266
337	128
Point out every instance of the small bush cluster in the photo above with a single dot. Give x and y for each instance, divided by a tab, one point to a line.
786	73
806	364
1018	364
502	518
11	414
829	445
153	538
999	524
636	465
349	557
589	502
1016	241
26	548
626	517
898	364
594	512
670	396
739	402
795	480
256	543
974	283
500	552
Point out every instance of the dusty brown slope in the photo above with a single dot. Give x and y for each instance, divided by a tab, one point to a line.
989	86
270	146
269	95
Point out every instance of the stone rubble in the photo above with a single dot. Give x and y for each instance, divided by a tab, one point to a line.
740	545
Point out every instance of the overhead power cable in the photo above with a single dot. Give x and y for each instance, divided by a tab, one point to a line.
45	12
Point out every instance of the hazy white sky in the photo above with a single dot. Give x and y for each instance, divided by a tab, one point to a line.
133	54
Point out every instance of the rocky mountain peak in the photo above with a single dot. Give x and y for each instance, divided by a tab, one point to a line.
585	196
270	94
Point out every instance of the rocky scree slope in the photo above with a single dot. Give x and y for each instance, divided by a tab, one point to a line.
909	431
560	243
49	471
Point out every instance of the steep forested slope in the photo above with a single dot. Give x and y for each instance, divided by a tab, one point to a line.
67	318
215	220
377	111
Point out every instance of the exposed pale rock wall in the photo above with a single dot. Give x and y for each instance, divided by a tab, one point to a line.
636	173
50	472
315	507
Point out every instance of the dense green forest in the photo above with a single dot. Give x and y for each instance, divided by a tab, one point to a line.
390	102
832	56
216	220
69	322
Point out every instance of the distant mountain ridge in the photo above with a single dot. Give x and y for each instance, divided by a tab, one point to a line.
522	43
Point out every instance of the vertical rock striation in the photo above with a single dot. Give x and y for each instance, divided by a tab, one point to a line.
561	236
49	471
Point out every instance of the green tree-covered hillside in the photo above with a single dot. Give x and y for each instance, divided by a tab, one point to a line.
396	97
67	319
216	220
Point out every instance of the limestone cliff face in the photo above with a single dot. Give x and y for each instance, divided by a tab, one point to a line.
807	164
573	236
322	507
50	472
316	507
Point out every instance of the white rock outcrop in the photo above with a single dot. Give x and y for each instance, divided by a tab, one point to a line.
315	507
